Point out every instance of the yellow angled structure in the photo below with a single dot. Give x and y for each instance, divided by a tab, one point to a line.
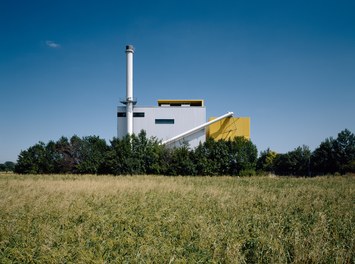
229	128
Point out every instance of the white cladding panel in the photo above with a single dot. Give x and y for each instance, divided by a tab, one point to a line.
185	118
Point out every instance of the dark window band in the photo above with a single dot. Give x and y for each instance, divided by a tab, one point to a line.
137	114
164	121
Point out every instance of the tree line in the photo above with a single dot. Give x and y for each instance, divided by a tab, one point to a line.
138	154
7	166
332	156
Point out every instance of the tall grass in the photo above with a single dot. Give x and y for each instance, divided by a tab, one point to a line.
96	219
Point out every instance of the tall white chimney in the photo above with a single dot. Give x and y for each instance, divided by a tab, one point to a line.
129	89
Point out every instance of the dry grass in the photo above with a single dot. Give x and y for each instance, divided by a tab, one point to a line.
97	219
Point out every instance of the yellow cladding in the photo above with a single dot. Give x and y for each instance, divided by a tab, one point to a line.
229	128
198	102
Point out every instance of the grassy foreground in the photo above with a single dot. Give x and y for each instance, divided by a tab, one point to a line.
134	219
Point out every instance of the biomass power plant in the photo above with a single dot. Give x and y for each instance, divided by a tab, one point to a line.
175	121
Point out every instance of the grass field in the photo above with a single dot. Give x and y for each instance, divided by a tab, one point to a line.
155	219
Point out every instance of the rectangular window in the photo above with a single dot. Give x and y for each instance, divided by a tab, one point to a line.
123	114
138	114
164	121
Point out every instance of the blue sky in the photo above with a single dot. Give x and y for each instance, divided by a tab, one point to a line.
289	65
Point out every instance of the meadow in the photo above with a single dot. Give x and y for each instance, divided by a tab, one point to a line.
160	219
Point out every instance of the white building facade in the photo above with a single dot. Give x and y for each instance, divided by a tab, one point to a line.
169	119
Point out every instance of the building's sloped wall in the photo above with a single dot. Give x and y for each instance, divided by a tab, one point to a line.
229	128
185	118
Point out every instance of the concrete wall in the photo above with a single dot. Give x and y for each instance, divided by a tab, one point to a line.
185	118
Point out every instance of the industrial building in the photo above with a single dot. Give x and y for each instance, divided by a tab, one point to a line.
174	122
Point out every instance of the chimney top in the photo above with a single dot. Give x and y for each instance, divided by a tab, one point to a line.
129	48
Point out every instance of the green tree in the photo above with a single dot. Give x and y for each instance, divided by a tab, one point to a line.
33	160
66	162
118	159
323	159
181	161
212	158
147	153
243	156
9	166
89	154
301	157
296	162
335	155
283	164
265	162
52	158
222	157
138	153
2	167
204	159
135	154
345	150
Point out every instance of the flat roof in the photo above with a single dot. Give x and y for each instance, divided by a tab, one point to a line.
174	102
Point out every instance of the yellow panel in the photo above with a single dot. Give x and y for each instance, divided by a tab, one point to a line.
229	128
197	102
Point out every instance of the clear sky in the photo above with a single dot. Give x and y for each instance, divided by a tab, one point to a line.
289	65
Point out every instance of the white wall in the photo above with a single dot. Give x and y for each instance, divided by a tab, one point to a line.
185	118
